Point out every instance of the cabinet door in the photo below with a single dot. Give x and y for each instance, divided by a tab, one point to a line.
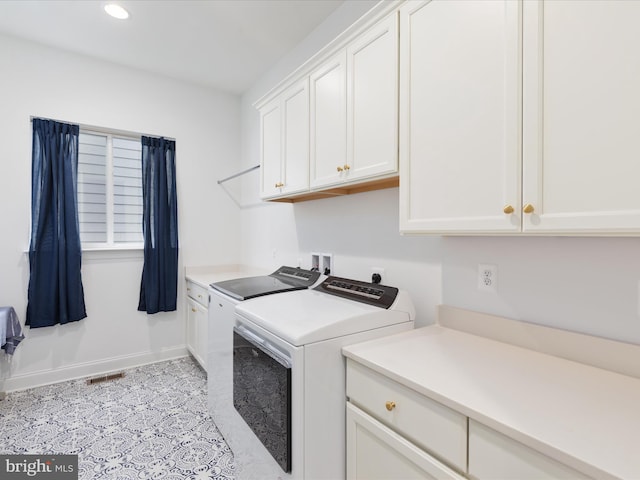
375	452
493	455
192	326
202	340
581	116
460	116
295	130
197	331
328	122
270	149
372	102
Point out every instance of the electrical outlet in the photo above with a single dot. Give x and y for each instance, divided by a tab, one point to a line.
488	278
327	263
322	262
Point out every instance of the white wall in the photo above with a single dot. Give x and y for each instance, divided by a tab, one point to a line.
583	284
38	81
358	237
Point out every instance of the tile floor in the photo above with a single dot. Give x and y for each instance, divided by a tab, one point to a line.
153	423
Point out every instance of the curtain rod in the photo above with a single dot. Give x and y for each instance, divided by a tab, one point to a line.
94	128
238	174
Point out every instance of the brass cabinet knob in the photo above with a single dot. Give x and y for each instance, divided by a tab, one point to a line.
193	309
346	167
339	169
390	405
528	208
508	209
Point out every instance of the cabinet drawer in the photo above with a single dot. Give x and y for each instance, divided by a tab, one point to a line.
494	455
198	293
429	424
377	452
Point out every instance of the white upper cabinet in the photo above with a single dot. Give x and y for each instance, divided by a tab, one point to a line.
460	116
372	96
270	148
328	121
284	125
581	116
354	109
497	141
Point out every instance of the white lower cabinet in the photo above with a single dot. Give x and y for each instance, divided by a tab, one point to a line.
197	318
493	455
394	432
377	452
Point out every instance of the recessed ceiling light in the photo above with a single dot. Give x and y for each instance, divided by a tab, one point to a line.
116	11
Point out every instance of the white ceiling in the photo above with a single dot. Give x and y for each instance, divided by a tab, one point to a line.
225	44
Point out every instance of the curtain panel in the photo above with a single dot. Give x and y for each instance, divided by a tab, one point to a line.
159	285
55	294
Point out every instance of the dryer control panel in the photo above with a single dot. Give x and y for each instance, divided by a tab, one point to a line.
371	293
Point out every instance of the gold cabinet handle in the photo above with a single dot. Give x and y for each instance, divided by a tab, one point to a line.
347	167
528	208
193	309
390	405
339	169
279	185
508	209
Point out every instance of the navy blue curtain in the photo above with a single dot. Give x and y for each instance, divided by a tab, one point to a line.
159	285
55	284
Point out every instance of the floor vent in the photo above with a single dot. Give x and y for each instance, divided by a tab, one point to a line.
105	378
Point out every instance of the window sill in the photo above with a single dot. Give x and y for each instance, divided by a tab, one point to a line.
131	251
114	248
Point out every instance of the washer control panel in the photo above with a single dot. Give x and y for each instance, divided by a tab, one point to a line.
371	293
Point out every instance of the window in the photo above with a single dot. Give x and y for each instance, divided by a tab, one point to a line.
109	189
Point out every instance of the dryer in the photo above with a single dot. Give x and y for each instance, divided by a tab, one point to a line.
223	298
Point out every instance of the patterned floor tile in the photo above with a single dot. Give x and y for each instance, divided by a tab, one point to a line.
151	424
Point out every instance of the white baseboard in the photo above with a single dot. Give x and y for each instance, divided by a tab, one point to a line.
89	369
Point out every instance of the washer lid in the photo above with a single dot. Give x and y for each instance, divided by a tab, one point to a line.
282	280
309	316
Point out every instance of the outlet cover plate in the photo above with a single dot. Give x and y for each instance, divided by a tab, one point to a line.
488	278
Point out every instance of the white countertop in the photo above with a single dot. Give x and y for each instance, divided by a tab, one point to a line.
585	417
204	276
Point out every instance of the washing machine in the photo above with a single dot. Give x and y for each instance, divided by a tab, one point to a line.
289	374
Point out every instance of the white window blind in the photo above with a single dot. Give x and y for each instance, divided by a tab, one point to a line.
109	189
127	190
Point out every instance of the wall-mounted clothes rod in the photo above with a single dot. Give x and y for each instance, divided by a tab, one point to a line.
238	174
